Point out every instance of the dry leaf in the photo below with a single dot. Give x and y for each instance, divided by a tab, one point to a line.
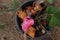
22	14
31	32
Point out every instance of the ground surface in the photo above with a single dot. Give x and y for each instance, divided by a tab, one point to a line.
10	32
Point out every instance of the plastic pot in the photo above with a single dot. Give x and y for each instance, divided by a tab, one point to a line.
19	21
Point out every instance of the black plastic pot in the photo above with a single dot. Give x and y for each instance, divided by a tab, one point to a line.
19	21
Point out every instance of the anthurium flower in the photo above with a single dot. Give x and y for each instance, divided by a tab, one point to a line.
27	23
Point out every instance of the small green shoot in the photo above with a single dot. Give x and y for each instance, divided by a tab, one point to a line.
1	26
15	4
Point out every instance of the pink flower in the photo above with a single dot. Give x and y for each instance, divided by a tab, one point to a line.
27	23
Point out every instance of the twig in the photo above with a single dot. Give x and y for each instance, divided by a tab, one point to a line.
25	36
47	31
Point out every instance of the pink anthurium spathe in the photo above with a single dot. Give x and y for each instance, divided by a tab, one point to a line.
27	23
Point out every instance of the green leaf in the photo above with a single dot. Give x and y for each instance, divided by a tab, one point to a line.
52	10
54	22
55	19
57	15
50	1
48	18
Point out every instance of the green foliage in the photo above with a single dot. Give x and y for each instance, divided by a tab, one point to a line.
50	1
52	10
57	15
15	4
48	18
1	26
55	19
54	22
